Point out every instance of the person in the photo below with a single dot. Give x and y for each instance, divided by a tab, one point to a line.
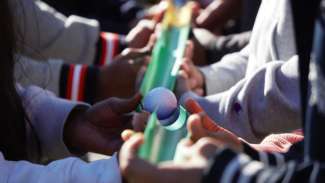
36	126
217	160
195	154
114	16
253	91
45	39
210	47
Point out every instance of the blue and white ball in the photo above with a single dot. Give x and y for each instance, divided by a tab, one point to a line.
161	100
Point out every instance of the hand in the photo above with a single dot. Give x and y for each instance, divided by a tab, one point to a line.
190	169
98	128
216	15
280	143
191	74
200	125
118	79
139	36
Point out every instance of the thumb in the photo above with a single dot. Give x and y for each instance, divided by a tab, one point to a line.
195	128
192	106
189	50
133	168
131	146
121	106
151	42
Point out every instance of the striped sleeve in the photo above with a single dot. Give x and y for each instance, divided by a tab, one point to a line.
231	167
78	82
108	46
275	158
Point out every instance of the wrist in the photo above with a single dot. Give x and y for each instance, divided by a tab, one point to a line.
109	46
77	82
71	130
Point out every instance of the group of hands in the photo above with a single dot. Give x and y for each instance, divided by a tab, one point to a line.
132	62
111	125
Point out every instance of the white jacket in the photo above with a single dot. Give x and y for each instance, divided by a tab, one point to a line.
48	114
259	86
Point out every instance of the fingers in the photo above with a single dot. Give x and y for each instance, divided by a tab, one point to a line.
207	146
183	151
139	121
140	77
151	42
133	53
195	128
182	85
189	50
186	65
131	146
209	124
127	134
133	168
122	106
199	91
193	107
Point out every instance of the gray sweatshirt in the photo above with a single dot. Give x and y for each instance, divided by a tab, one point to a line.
255	92
48	41
48	115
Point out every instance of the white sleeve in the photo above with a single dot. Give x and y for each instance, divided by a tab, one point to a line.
268	101
44	33
70	170
225	73
48	115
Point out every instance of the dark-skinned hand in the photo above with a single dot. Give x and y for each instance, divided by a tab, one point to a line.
98	128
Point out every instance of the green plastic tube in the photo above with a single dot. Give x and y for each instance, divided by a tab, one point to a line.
161	141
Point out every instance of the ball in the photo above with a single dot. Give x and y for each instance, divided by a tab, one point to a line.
161	100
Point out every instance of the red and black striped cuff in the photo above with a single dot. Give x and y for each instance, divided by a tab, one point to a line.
78	82
109	45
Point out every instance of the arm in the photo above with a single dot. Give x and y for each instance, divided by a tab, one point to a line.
231	167
80	82
63	171
226	73
44	33
48	115
265	102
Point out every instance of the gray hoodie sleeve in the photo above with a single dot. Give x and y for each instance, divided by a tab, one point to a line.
265	102
228	71
44	33
69	170
48	115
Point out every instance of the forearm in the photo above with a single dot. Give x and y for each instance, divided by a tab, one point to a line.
231	167
265	102
48	116
66	171
226	73
51	35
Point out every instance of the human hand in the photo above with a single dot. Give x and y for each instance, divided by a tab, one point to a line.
139	36
98	128
190	74
118	79
200	125
280	143
217	13
189	169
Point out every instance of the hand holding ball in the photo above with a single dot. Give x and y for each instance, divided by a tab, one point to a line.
162	101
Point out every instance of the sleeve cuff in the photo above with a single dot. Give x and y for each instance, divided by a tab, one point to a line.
48	115
78	82
109	45
211	87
